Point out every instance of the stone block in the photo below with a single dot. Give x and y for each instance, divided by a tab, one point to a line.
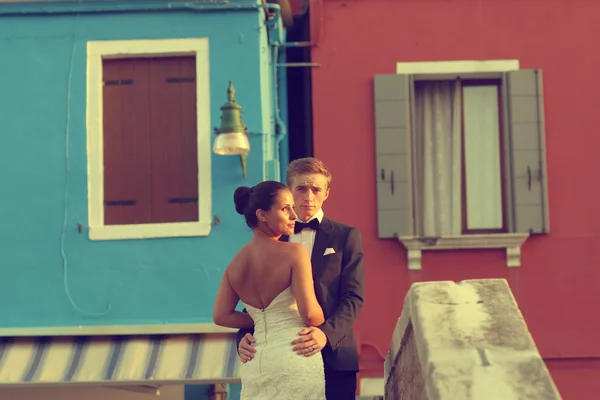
464	341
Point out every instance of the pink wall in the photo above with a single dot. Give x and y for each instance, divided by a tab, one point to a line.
558	285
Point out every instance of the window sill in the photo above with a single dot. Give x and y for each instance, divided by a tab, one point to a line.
149	231
510	241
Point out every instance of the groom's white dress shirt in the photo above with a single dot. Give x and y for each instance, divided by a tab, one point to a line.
306	237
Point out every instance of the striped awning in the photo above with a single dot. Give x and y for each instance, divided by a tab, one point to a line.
131	360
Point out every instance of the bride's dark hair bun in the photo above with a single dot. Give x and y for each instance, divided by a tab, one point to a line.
260	197
241	198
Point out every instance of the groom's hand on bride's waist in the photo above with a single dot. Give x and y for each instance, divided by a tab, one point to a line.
311	341
245	349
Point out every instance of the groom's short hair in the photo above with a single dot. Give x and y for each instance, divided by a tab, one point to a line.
307	165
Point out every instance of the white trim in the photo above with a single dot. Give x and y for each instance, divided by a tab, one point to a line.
448	70
512	242
99	330
96	51
450	67
149	231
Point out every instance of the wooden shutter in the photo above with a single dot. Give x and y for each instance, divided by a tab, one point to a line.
174	139
126	132
528	151
150	140
393	155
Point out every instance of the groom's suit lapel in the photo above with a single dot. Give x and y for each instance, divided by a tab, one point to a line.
321	241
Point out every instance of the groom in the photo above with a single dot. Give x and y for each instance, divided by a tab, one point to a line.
338	273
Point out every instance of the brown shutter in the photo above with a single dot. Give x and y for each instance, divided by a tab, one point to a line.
125	116
174	140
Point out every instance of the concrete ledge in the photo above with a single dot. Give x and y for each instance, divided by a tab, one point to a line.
464	341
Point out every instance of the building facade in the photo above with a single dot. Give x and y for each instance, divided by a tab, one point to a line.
124	220
509	192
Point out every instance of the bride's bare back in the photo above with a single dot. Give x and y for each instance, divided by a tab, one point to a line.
261	271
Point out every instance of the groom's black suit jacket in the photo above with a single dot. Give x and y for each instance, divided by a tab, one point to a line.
339	286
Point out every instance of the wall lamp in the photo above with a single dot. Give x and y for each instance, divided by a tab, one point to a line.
232	135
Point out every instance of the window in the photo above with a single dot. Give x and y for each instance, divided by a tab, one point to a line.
459	163
148	139
461	159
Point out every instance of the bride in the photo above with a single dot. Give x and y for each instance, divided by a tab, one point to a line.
274	281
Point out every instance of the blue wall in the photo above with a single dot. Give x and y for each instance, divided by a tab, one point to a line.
144	281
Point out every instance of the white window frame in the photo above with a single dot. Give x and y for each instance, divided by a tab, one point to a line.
96	52
510	242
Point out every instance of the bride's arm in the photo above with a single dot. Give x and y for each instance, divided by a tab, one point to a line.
304	289
224	313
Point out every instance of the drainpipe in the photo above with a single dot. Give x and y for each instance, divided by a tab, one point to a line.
300	64
278	121
17	9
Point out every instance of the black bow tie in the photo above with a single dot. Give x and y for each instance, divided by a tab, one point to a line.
314	225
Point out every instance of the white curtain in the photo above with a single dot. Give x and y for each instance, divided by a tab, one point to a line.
438	142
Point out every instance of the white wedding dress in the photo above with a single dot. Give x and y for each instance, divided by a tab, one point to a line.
277	372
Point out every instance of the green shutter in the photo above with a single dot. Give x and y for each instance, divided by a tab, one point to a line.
527	151
392	141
